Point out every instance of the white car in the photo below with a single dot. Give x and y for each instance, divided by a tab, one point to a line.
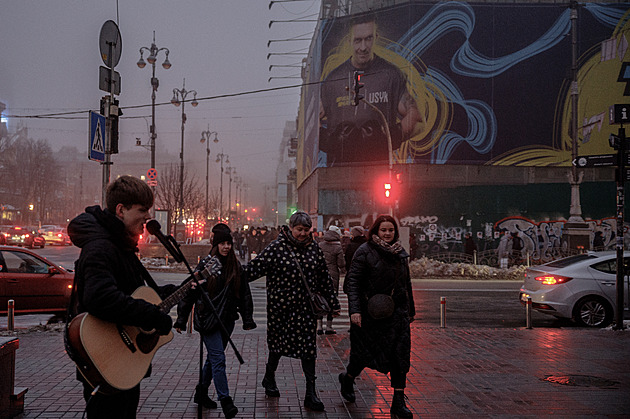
581	287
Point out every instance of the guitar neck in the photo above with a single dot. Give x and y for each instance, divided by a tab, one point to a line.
211	268
174	298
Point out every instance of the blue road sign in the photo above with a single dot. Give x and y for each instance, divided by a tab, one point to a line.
96	140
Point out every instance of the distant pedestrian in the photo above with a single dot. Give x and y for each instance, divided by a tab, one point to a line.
333	253
598	241
470	247
346	237
517	248
358	238
252	243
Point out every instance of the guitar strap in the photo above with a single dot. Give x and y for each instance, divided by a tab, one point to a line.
146	276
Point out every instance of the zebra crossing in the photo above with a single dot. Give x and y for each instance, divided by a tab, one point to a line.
259	296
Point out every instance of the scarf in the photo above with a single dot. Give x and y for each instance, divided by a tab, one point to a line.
293	241
393	248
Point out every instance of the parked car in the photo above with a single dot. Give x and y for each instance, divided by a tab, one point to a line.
24	236
581	287
56	235
36	284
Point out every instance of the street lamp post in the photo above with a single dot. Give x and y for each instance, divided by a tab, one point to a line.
205	137
230	171
237	201
153	51
220	158
179	97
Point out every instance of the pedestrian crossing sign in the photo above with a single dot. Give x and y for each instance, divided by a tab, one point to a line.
96	140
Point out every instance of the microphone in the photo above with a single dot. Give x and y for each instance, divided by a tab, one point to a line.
154	228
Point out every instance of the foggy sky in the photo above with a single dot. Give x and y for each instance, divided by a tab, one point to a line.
49	62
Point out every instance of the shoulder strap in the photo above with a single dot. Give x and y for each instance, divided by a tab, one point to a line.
146	276
308	289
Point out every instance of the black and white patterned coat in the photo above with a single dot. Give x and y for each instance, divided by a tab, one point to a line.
291	325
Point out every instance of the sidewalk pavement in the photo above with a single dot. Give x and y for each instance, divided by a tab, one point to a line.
455	372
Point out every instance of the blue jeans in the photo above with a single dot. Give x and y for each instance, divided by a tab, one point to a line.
214	367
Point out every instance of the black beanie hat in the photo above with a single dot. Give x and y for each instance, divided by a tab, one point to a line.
222	234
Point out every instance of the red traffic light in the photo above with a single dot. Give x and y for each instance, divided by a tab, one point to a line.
387	187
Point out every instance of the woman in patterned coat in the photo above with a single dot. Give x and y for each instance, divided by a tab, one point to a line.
291	324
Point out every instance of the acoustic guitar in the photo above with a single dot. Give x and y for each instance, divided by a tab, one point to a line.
115	357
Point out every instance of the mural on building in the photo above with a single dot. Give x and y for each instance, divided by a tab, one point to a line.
463	83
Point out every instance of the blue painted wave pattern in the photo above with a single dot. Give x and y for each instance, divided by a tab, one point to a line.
456	16
482	123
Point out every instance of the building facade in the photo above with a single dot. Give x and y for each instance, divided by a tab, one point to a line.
473	113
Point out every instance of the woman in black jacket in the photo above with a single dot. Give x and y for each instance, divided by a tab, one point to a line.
230	295
380	339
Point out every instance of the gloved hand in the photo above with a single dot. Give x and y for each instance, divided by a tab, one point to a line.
163	324
249	325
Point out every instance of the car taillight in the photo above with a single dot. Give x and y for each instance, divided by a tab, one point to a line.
553	279
59	235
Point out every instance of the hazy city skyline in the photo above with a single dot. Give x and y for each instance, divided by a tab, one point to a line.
50	64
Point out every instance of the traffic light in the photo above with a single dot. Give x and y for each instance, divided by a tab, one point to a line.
387	191
356	86
115	112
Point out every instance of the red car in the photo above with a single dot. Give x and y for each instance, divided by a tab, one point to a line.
36	284
24	236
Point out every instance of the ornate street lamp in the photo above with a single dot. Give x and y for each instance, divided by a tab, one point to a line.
153	51
220	158
179	97
205	138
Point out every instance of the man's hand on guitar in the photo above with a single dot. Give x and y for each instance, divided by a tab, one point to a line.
164	324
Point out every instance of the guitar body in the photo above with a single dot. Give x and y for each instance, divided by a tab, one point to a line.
116	357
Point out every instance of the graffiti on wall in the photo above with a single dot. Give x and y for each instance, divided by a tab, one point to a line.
429	236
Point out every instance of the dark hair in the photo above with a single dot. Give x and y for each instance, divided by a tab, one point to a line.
300	218
231	267
363	18
377	224
129	191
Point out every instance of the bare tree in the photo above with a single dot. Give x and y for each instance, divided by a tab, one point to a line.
168	195
30	176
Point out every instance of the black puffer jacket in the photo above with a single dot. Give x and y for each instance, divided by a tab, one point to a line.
108	271
225	300
379	344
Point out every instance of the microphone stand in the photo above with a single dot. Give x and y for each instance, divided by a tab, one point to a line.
179	257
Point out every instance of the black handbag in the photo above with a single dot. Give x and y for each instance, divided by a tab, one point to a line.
380	306
319	305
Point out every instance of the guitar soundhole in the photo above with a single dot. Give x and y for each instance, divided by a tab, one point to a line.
146	342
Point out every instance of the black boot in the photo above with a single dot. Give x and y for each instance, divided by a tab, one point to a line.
399	408
201	397
311	401
347	387
229	410
269	383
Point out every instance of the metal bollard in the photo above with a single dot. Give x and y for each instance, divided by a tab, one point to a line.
11	315
442	312
528	313
528	263
190	320
474	257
